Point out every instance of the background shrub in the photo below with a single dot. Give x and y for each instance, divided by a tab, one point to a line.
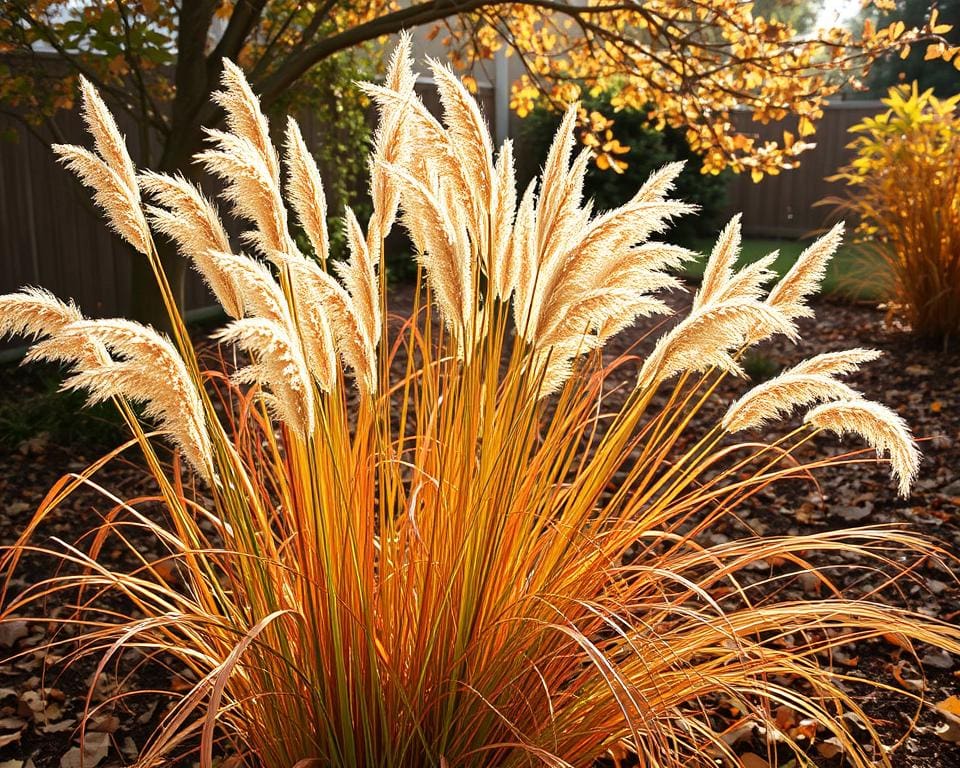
904	186
647	150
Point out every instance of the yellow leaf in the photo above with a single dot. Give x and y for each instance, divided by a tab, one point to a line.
950	706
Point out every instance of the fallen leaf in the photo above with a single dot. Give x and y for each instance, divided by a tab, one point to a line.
950	709
11	631
753	760
104	724
63	725
94	751
830	748
939	659
9	738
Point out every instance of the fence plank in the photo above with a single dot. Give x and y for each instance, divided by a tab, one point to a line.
783	206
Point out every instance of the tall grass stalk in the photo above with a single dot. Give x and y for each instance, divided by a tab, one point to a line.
463	536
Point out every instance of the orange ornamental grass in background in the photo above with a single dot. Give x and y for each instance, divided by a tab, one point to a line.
904	187
419	543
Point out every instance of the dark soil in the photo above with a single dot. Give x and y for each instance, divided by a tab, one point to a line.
41	704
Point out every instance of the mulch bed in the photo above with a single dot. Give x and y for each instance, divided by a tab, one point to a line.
41	705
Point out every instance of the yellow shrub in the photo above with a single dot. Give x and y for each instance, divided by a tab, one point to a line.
904	187
432	540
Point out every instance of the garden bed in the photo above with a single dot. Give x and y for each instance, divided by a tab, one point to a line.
918	381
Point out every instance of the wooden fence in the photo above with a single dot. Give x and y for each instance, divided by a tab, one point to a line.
782	206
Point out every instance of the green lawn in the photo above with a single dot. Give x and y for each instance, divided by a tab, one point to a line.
851	273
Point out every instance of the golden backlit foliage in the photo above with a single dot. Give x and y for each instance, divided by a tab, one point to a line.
688	62
904	187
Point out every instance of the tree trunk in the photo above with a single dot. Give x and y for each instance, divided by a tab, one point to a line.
194	79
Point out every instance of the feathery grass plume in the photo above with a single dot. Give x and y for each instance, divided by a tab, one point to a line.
602	258
469	138
107	139
440	249
502	213
244	117
837	363
749	282
146	369
319	293
431	151
883	430
560	216
719	269
516	272
35	312
306	191
708	336
791	293
192	222
257	292
251	189
359	275
447	568
279	366
392	143
809	382
110	193
109	171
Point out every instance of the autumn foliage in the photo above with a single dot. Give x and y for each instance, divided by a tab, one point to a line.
904	187
461	536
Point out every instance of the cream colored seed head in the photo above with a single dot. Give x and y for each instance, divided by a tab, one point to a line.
882	429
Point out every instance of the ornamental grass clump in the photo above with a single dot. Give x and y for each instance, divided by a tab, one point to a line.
463	536
904	188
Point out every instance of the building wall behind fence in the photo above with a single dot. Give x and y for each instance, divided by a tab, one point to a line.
783	206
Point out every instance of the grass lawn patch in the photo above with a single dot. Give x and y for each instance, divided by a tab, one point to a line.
853	272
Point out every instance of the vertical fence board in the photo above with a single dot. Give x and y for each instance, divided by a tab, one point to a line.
783	206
